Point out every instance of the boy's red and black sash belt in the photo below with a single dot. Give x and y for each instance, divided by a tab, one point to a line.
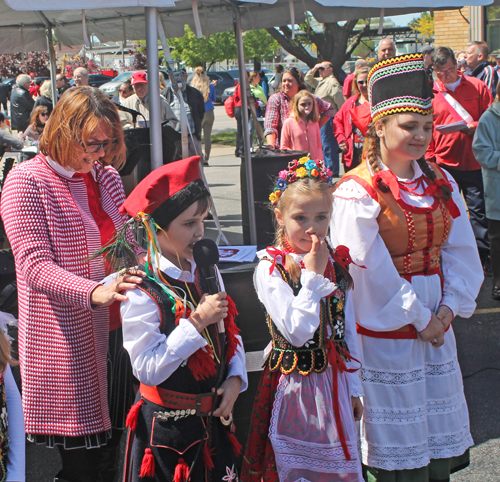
202	402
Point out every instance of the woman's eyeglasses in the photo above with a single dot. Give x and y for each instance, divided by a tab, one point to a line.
362	82
44	114
93	147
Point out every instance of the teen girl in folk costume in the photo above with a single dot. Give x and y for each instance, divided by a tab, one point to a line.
170	331
405	221
303	424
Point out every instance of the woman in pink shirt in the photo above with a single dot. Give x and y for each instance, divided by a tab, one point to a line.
301	130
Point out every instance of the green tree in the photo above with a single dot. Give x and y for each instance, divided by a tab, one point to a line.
205	51
259	45
335	42
424	25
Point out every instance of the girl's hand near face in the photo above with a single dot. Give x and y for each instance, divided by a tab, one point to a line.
210	310
317	259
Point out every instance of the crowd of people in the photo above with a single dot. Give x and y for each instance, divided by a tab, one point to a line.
116	334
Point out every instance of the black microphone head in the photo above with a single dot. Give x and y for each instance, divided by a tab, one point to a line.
205	253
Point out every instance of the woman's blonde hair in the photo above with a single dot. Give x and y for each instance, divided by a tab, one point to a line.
357	73
201	82
302	187
46	89
75	117
294	106
371	150
5	357
163	85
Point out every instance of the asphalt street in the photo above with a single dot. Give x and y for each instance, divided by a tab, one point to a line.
477	338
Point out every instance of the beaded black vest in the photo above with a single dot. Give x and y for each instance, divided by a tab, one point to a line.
312	356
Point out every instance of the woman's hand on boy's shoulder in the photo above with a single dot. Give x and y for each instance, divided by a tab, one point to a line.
229	390
210	310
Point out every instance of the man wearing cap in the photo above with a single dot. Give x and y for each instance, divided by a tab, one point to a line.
477	61
427	53
139	101
460	98
329	89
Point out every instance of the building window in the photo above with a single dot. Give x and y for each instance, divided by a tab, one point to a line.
493	28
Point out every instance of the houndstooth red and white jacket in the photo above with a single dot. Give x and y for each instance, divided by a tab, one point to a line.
63	342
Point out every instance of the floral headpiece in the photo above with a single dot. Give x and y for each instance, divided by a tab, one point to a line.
304	167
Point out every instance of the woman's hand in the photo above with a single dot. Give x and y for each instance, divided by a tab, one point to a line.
317	259
445	316
229	390
357	408
434	333
210	310
106	295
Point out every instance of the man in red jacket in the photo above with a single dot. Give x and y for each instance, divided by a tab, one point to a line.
459	98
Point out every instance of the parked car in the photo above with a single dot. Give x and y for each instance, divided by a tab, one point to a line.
110	88
95	80
10	83
224	80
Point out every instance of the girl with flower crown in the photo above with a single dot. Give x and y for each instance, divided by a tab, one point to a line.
406	222
303	424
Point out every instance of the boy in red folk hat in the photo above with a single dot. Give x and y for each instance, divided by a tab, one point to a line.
170	331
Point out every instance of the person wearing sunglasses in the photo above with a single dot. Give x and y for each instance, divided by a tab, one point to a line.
328	88
58	209
38	120
351	121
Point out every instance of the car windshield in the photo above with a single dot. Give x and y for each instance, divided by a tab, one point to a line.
123	77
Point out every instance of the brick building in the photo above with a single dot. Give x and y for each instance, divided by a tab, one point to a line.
455	28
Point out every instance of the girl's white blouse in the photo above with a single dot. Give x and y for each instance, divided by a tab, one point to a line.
297	317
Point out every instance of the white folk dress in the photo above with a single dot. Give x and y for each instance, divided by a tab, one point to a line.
414	404
302	431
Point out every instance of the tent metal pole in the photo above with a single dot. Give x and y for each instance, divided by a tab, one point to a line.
246	131
154	87
52	58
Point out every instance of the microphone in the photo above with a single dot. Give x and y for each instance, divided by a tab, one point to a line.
206	256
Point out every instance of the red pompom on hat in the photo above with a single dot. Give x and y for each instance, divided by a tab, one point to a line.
167	191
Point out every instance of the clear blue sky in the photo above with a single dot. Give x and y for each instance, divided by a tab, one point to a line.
403	20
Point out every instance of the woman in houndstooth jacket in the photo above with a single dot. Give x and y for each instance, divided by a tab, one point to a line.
58	209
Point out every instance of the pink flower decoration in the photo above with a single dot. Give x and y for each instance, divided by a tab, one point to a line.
282	174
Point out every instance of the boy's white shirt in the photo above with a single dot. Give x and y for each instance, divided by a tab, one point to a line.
153	355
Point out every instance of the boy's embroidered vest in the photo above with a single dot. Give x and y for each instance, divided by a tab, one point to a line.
313	355
4	425
198	375
413	235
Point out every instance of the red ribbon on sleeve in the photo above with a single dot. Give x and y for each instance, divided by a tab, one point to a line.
278	257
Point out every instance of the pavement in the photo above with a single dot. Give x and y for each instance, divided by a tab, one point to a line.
478	338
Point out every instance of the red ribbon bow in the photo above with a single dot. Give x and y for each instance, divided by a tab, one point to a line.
342	256
433	189
278	257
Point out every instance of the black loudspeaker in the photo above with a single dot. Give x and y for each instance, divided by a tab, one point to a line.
238	282
266	165
139	149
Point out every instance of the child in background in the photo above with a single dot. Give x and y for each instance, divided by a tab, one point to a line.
12	436
301	130
170	331
303	424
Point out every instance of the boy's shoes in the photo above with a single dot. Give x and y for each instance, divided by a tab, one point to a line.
206	164
495	293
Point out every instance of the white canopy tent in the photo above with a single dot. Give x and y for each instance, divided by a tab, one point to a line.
27	25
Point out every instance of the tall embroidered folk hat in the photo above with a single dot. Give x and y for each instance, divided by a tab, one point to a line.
167	191
398	85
